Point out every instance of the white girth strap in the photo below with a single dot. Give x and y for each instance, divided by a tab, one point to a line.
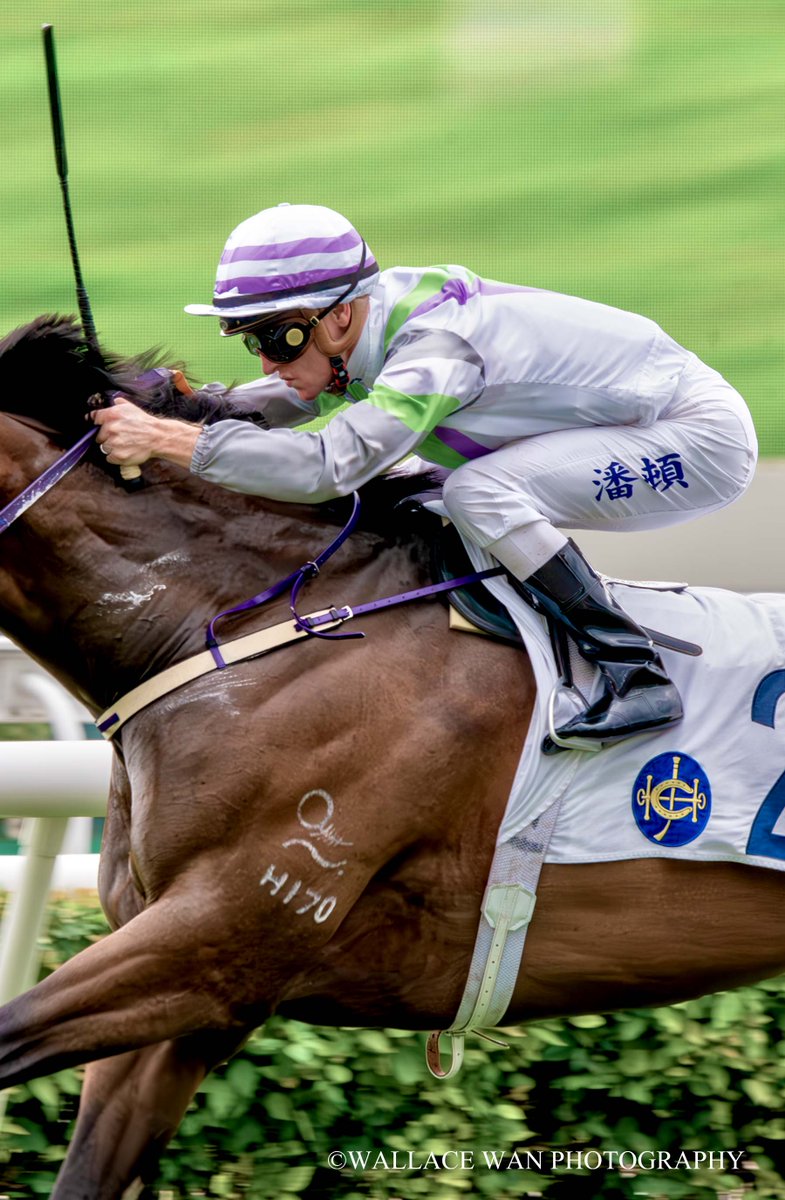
507	909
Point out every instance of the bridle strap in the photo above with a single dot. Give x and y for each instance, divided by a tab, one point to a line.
295	580
346	612
40	486
333	616
253	645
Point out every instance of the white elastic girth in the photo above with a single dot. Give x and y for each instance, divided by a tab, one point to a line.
507	910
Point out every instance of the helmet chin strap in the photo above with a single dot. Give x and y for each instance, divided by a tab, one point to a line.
334	348
340	376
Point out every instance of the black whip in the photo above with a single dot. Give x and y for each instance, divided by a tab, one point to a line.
131	475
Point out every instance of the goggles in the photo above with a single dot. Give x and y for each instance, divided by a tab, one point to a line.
279	341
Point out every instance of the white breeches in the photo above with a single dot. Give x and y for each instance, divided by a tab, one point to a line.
698	456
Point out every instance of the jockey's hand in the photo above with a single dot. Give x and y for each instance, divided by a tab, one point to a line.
129	436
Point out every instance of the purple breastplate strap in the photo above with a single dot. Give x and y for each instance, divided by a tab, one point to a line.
297	580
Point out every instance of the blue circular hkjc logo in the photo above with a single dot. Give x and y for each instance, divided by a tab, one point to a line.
671	799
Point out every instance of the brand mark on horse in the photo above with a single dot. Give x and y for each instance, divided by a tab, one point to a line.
312	901
322	830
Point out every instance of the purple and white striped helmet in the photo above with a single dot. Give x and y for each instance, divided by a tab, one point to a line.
291	256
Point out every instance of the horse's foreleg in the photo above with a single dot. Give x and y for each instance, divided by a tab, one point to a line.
131	1105
170	972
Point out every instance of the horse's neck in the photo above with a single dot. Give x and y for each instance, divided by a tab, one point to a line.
105	589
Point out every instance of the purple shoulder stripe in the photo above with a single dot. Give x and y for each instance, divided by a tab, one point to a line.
460	291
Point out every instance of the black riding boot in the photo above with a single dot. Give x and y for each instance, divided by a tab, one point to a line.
637	694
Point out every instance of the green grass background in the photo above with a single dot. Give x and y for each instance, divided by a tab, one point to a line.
631	151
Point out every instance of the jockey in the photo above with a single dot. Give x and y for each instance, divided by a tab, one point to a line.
550	411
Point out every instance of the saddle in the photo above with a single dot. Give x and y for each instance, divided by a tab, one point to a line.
485	614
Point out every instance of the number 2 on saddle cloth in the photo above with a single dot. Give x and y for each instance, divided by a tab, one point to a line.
763	840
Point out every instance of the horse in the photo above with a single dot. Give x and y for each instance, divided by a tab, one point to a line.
407	740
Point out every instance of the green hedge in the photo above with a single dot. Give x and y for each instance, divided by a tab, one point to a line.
704	1076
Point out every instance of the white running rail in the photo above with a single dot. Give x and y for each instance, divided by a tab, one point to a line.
57	787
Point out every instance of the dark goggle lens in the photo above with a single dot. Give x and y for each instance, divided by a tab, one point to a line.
281	343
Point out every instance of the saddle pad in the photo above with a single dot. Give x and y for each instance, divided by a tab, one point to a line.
711	787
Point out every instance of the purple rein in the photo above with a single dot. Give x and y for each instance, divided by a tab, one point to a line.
297	579
52	475
40	486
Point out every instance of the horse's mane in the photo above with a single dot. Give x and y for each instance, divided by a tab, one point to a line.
48	371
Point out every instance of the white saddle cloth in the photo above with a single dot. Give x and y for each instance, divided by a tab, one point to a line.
708	788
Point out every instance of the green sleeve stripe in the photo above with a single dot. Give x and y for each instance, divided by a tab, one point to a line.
432	281
418	413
